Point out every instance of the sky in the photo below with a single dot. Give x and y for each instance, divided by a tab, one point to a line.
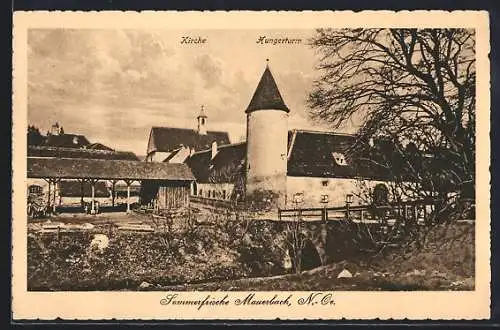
113	85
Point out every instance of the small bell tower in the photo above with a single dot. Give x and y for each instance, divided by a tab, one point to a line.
202	122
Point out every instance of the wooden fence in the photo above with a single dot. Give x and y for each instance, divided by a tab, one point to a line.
418	211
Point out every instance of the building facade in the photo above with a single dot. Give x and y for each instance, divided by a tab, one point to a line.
311	167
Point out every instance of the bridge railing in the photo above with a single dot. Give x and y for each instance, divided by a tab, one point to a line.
418	211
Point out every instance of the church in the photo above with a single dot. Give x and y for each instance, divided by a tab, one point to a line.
312	168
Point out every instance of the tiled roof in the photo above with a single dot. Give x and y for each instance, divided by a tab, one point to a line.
312	155
267	95
41	151
227	164
169	138
99	146
74	189
71	168
66	141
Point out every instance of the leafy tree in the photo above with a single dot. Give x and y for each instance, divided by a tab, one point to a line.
34	136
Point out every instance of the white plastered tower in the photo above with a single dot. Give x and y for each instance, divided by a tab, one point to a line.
267	138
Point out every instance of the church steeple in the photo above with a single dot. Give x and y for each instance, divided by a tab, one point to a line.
267	94
202	120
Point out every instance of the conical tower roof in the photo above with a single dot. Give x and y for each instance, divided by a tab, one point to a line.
267	95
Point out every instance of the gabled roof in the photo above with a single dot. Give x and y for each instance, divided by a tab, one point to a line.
72	168
98	146
267	95
74	189
66	141
313	155
227	164
169	138
42	151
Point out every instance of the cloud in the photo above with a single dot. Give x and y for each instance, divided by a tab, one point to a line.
113	85
209	70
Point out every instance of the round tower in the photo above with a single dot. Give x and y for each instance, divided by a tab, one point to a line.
267	136
202	122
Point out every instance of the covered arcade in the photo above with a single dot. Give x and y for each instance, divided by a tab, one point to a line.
53	170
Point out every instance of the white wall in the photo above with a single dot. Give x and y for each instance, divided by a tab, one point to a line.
180	157
76	200
159	156
267	134
72	201
336	189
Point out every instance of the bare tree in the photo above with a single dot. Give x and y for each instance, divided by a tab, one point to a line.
295	241
404	85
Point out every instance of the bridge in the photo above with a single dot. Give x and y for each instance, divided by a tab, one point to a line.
329	234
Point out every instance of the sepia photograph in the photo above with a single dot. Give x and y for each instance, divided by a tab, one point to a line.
316	159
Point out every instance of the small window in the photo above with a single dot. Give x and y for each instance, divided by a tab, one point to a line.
223	194
200	193
324	183
339	158
35	189
209	193
203	121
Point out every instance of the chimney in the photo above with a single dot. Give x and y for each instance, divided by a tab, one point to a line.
214	149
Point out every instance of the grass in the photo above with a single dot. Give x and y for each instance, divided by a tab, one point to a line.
443	261
214	258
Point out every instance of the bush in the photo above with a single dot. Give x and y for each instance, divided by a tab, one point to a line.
204	253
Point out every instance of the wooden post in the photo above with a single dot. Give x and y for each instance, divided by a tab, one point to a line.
82	182
48	199
128	182
113	184
92	186
54	198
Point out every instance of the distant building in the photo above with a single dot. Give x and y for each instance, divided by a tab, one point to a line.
58	144
174	145
310	167
56	137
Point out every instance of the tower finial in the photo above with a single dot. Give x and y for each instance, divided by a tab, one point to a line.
267	62
202	111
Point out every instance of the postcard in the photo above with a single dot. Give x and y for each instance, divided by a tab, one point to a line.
251	165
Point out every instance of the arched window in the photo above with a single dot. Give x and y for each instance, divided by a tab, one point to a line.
380	194
339	158
35	189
